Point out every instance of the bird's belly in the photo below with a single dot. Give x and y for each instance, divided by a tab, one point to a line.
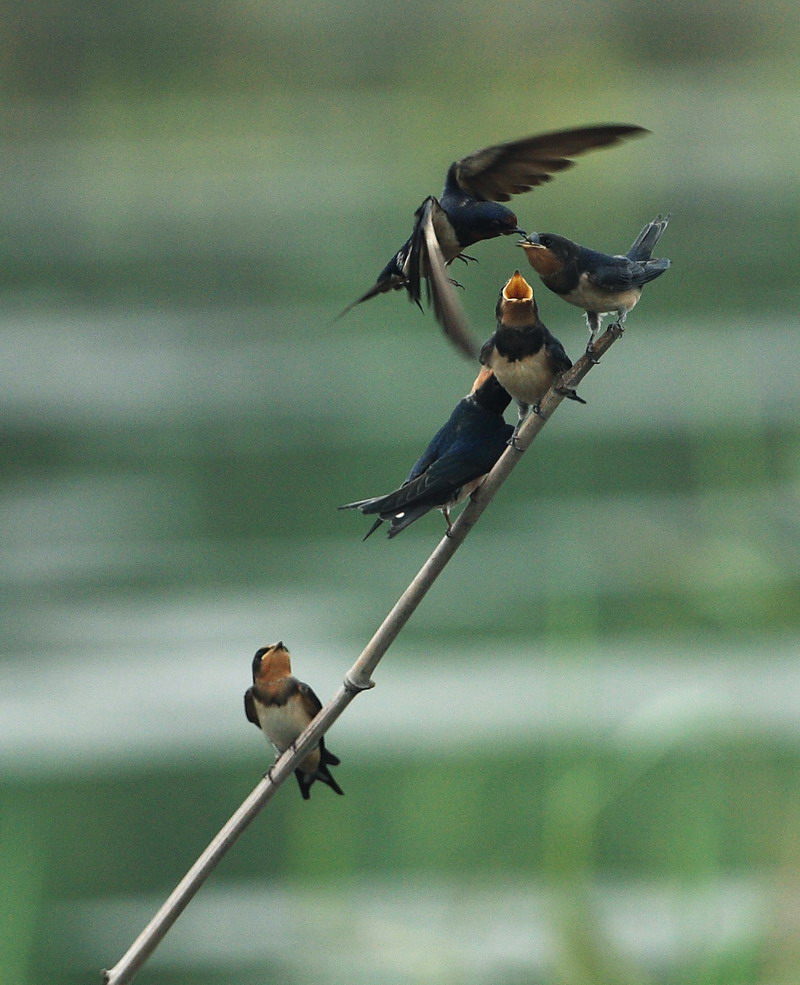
446	237
282	723
526	379
460	494
468	489
590	297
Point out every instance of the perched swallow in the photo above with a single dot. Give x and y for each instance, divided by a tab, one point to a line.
469	211
282	707
453	465
597	282
524	355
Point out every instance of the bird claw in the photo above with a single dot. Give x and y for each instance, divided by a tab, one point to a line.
617	329
466	258
512	441
590	353
537	410
455	283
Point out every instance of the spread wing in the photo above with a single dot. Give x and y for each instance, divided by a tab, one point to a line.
426	260
496	173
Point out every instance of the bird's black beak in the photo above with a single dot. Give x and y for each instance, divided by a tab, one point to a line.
518	231
280	646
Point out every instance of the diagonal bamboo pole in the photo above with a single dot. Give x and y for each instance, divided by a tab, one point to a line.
357	679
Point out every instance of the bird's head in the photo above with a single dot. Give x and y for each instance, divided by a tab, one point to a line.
516	304
547	253
271	663
491	219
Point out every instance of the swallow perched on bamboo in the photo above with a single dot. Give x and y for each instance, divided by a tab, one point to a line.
469	208
282	707
523	353
599	283
453	465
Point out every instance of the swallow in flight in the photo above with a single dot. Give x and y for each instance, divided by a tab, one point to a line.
453	465
599	283
282	707
469	208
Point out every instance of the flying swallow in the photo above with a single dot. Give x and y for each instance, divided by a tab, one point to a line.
524	355
468	209
453	465
597	282
282	707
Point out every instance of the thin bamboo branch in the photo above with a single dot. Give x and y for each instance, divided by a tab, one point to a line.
357	679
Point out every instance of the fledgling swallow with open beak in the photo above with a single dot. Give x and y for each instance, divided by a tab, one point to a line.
469	208
282	707
599	283
523	353
453	465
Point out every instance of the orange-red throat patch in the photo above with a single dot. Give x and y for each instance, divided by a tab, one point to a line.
543	261
275	664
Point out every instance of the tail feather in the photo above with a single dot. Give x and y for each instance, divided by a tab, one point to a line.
306	780
372	529
326	756
644	244
378	504
654	268
379	287
324	774
399	523
362	504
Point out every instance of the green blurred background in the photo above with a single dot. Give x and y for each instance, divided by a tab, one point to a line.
580	764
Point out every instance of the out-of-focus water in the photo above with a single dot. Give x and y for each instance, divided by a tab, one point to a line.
580	761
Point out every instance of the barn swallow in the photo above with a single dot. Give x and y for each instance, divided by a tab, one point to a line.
453	465
469	211
524	355
282	707
597	282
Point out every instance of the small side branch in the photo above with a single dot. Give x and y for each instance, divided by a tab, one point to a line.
357	679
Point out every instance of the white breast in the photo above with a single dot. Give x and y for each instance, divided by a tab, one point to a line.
525	379
448	243
282	723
